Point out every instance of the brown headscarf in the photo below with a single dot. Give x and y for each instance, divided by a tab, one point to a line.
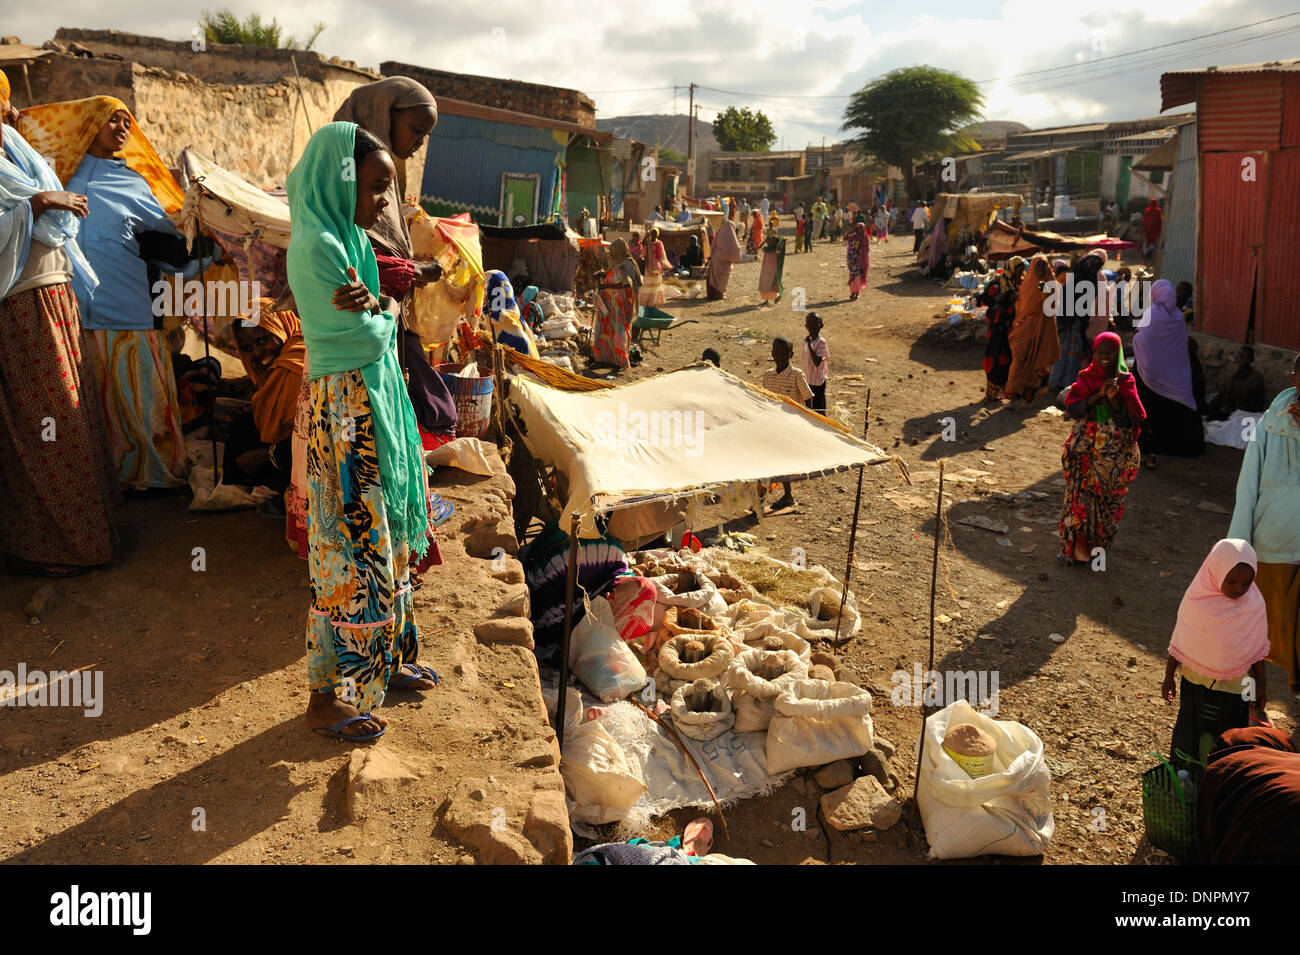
1033	339
276	397
371	107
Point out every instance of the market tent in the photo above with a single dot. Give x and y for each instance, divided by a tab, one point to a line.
548	250
676	237
972	210
1003	240
695	429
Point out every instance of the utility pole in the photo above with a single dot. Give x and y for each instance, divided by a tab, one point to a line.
690	145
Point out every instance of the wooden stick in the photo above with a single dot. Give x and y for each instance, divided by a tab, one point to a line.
672	733
934	582
570	584
853	532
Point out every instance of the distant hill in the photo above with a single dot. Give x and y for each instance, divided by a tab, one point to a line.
664	130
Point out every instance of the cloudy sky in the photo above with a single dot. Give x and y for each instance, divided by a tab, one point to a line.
1041	64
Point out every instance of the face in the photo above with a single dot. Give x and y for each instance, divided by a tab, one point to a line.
1244	358
1107	355
814	325
112	138
261	347
410	127
780	354
374	176
1237	581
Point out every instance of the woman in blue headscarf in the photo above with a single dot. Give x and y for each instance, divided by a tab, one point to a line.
55	479
366	486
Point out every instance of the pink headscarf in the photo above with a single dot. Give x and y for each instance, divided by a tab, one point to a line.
1215	634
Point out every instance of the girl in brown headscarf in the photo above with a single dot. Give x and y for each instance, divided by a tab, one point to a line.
1034	342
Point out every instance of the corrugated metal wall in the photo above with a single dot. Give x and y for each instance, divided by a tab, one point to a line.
1232	232
587	180
1178	257
1240	111
1277	319
467	157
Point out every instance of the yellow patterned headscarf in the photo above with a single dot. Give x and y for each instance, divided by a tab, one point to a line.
63	132
4	89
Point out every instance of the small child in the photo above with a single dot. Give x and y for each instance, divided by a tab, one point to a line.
790	382
807	231
799	227
815	362
1220	641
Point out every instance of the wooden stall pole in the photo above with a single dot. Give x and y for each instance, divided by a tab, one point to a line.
853	531
934	583
570	586
207	351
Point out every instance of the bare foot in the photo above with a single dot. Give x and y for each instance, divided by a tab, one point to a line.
325	709
1081	553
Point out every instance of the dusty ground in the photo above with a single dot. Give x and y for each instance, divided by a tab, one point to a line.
1101	687
204	671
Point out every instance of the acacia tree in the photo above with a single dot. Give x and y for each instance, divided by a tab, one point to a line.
743	130
912	114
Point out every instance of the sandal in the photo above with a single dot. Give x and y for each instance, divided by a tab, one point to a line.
697	840
403	679
336	731
440	511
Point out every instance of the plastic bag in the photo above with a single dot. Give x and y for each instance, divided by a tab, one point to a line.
816	722
601	783
463	454
1008	812
753	695
600	659
222	497
702	710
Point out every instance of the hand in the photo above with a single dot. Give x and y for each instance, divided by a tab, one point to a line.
1111	389
67	201
354	297
427	273
1168	690
1293	409
11	115
250	461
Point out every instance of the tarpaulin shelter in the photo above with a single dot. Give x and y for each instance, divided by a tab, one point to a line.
549	251
672	436
972	211
676	237
250	225
1003	241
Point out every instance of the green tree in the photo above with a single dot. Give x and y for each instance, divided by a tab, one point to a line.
912	114
743	130
224	27
671	156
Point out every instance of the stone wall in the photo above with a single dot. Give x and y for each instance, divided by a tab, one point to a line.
1219	355
59	77
217	63
553	102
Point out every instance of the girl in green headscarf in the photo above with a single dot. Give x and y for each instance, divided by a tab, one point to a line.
366	487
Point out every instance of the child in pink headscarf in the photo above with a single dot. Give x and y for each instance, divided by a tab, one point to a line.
1220	642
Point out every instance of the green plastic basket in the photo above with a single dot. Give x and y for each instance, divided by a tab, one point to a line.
1169	818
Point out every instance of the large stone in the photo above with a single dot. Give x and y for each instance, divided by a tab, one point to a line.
887	749
516	630
536	754
516	604
875	764
861	804
486	826
547	825
835	775
373	774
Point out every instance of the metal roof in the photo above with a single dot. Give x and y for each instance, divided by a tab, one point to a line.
1162	157
1041	153
456	107
1179	86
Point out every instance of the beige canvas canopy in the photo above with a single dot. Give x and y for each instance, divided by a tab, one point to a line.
229	203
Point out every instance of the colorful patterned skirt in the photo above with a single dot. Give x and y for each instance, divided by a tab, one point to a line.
56	481
652	289
295	498
361	627
142	407
615	311
1100	462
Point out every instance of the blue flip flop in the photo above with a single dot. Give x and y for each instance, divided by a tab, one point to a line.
336	731
405	679
442	510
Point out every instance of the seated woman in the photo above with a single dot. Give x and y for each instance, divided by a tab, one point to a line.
693	257
259	446
129	192
1249	799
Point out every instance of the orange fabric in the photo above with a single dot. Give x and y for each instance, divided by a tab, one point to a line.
1033	339
63	132
4	89
276	397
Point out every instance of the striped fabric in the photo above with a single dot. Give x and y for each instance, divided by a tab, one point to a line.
141	407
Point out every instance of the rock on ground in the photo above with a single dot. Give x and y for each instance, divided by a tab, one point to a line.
372	774
861	804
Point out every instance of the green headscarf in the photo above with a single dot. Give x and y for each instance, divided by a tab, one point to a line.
325	243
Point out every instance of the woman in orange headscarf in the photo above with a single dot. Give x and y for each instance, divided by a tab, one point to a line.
1035	346
100	151
259	446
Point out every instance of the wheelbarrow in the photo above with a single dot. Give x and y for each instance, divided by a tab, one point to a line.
651	322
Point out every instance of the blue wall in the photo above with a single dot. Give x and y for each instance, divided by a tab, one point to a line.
466	158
